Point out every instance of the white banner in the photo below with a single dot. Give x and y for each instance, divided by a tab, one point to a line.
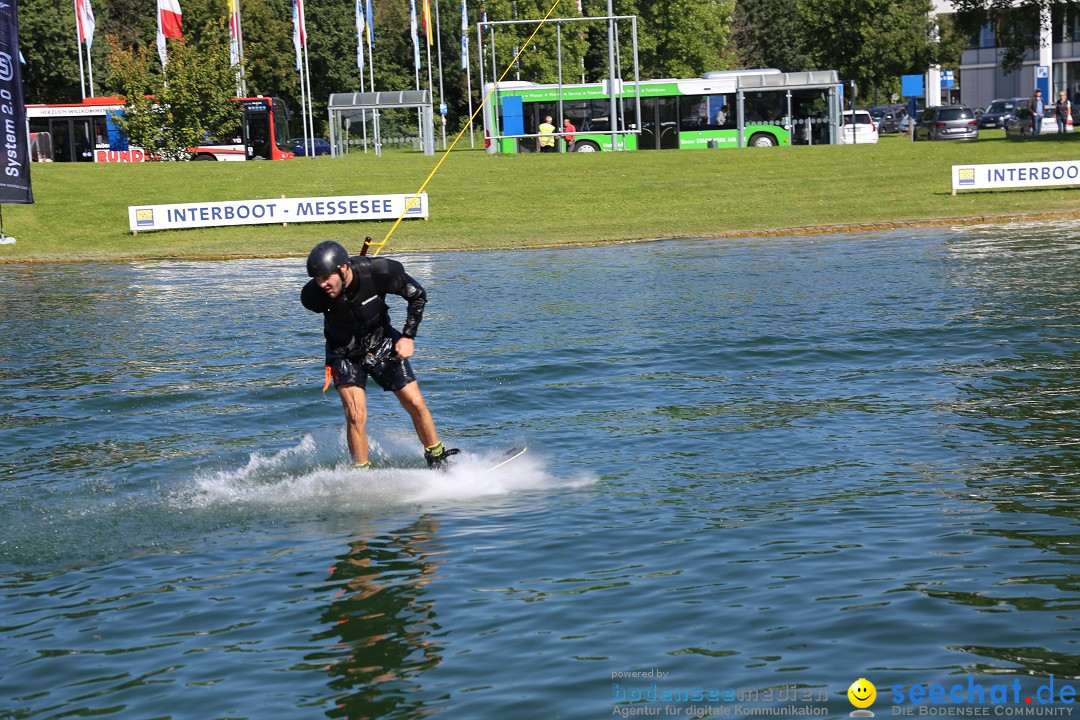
340	208
1013	175
131	155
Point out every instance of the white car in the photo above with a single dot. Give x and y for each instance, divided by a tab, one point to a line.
858	131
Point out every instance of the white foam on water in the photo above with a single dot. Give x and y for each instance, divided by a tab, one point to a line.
302	476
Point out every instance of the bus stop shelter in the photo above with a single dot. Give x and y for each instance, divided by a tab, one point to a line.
345	109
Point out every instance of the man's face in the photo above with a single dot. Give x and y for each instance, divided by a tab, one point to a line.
331	284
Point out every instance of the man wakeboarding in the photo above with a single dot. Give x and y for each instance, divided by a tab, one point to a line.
350	293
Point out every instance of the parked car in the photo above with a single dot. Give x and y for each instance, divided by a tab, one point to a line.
321	146
860	130
947	122
1020	125
888	118
1000	111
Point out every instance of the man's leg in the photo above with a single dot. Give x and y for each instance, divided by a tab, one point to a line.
354	401
414	404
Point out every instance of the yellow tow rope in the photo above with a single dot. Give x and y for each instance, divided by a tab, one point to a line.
416	197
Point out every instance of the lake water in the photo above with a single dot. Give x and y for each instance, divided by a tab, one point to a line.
764	465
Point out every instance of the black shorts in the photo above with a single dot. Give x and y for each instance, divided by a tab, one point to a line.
391	372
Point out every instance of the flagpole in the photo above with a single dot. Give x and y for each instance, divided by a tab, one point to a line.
311	114
303	109
360	62
371	77
300	40
438	47
241	80
363	113
240	32
90	68
78	47
468	67
416	46
430	89
306	116
414	27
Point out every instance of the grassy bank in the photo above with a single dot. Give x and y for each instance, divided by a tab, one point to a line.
480	201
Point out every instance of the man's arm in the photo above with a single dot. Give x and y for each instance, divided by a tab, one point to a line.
390	277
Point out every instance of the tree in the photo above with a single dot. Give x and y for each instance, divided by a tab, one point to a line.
768	34
678	38
49	44
691	37
872	42
187	104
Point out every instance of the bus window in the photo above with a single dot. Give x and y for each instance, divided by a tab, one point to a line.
84	148
62	140
693	113
720	112
765	108
596	116
281	125
257	125
38	125
100	133
705	112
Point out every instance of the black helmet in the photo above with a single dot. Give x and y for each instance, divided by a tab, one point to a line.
326	258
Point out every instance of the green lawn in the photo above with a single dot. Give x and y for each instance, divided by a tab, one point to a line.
481	201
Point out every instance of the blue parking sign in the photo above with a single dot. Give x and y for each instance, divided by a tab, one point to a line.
912	86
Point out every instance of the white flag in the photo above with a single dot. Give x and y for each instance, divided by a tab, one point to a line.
360	34
298	35
415	35
464	36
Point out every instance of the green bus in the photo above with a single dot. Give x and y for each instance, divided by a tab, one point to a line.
742	108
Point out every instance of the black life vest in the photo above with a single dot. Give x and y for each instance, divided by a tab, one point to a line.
358	319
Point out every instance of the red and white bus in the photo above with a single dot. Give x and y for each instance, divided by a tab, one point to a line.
85	132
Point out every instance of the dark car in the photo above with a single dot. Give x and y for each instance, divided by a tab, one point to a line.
321	146
999	112
947	122
888	117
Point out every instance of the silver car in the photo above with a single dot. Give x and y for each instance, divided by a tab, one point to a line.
1021	124
947	122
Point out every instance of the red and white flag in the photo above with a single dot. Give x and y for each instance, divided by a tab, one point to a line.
169	17
84	18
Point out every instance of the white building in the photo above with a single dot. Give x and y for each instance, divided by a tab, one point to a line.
980	78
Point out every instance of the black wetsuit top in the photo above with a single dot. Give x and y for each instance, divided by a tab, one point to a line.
358	320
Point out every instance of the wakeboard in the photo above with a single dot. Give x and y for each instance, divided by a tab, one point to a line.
508	456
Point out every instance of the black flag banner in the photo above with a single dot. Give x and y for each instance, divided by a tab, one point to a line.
15	153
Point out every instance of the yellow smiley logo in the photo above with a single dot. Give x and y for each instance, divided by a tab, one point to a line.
862	693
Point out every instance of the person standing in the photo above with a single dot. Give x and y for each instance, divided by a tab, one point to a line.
350	294
1062	112
1037	108
569	130
547	139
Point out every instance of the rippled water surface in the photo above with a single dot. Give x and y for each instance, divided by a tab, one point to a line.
754	464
